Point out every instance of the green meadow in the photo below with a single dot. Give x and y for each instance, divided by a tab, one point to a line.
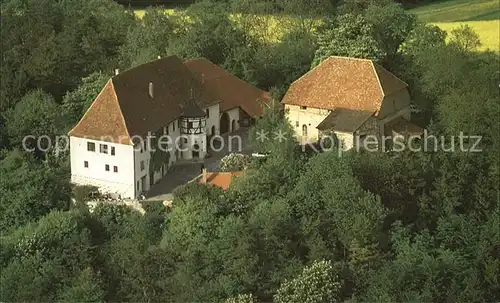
482	15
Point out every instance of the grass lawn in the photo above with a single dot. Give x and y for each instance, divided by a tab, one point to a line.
482	15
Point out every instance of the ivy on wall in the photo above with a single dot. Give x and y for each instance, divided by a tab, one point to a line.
159	154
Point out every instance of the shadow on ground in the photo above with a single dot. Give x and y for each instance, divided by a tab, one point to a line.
183	172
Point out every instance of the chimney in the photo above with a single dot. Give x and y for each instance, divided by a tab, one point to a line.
117	71
204	176
151	90
159	57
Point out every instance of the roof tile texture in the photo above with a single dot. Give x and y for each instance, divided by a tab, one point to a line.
230	89
220	179
103	120
125	109
340	82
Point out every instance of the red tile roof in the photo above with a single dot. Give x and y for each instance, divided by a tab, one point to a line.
220	179
125	109
231	90
340	82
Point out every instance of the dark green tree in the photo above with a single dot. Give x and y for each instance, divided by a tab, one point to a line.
30	190
76	102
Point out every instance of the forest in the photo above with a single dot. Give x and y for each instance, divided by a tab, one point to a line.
298	226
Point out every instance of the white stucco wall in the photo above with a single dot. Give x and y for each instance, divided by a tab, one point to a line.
213	119
139	157
394	105
173	133
311	117
121	182
234	115
394	102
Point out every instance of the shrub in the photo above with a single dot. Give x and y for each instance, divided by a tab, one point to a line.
234	162
154	207
81	193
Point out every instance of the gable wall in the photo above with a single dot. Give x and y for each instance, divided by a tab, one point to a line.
311	117
121	182
394	103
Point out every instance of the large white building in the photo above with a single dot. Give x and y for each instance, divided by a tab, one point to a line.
114	146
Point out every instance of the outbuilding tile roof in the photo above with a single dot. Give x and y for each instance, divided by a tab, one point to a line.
344	120
219	179
340	82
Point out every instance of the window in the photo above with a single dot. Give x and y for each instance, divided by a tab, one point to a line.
103	148
106	167
165	130
142	165
112	150
115	169
208	113
86	164
178	123
296	123
303	107
173	126
138	186
190	124
304	130
91	146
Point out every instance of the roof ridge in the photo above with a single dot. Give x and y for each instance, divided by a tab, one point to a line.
155	61
304	75
324	61
91	106
121	111
350	58
378	79
390	73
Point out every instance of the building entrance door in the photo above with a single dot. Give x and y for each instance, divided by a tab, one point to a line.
143	183
224	123
196	151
